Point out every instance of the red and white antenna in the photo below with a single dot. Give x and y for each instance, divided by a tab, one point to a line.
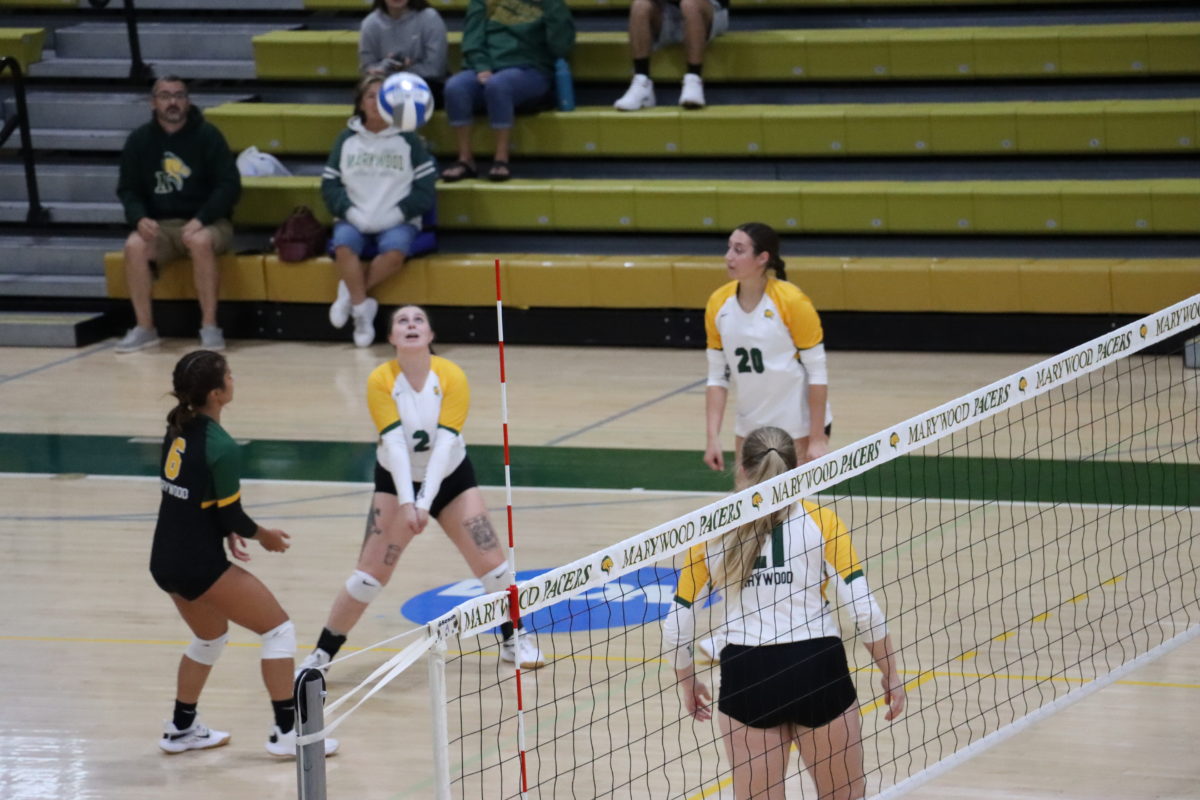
514	608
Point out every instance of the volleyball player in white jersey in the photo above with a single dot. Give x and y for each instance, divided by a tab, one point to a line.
784	675
764	331
419	404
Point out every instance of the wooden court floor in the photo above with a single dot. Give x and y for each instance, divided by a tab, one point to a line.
88	645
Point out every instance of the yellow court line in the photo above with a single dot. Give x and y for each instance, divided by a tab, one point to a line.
711	790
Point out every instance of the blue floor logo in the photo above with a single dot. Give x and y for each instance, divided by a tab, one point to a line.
636	598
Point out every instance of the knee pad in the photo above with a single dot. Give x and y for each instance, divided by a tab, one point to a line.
206	651
498	580
363	587
279	642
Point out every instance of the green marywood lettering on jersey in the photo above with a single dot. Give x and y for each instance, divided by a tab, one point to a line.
950	477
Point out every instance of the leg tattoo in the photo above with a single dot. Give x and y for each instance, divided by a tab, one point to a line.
480	528
372	524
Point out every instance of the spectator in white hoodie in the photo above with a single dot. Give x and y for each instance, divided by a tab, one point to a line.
404	36
377	184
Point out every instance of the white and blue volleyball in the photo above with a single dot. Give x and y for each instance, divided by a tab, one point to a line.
405	101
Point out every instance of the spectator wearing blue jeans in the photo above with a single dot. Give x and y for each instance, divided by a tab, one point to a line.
509	50
377	184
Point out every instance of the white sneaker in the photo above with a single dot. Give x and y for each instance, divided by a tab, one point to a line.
212	338
317	659
137	338
197	737
692	94
531	656
283	745
708	651
339	312
364	322
640	94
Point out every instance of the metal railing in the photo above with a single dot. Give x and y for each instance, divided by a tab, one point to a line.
139	71
38	215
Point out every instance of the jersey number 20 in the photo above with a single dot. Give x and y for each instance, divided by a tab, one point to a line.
749	361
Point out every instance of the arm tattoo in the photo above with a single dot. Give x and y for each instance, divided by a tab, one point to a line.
480	528
393	554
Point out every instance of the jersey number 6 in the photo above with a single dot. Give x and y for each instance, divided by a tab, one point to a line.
174	458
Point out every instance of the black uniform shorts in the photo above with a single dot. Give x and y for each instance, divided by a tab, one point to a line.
457	482
806	683
190	567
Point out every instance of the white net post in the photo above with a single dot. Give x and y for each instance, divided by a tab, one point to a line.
439	728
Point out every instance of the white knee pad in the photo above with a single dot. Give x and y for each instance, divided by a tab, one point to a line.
498	580
206	651
279	642
363	587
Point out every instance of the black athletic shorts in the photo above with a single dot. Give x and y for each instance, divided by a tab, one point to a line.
188	571
457	482
807	683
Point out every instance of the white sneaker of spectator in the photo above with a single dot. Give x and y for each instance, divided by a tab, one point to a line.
692	94
212	338
137	338
364	322
339	312
640	94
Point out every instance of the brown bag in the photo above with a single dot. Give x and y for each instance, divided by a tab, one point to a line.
301	236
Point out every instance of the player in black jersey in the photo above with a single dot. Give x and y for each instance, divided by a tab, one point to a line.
201	508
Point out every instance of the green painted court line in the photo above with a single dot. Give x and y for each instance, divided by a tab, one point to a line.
945	477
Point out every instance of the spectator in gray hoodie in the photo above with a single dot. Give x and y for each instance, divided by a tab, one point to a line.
404	36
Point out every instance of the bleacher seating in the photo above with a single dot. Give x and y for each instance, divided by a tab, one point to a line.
952	285
771	131
1113	90
1029	207
1040	51
24	44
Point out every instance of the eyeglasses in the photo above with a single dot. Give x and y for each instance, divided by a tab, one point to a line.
170	95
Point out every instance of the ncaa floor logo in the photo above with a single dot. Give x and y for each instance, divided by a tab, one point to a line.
638	597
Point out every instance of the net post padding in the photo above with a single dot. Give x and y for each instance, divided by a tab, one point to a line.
671	538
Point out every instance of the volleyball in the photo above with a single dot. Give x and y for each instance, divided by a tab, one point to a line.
405	101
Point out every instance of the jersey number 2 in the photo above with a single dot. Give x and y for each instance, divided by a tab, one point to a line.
422	441
749	361
175	458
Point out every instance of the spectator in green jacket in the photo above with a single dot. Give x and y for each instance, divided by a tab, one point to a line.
178	183
509	48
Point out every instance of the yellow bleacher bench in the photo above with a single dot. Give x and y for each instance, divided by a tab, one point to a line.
867	284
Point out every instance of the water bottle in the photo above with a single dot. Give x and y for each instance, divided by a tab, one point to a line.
564	85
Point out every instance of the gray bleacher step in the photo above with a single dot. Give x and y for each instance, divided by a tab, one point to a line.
227	41
70	183
72	139
118	69
101	111
61	211
52	328
57	255
23	284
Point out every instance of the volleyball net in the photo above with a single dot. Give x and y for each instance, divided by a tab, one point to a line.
1029	543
